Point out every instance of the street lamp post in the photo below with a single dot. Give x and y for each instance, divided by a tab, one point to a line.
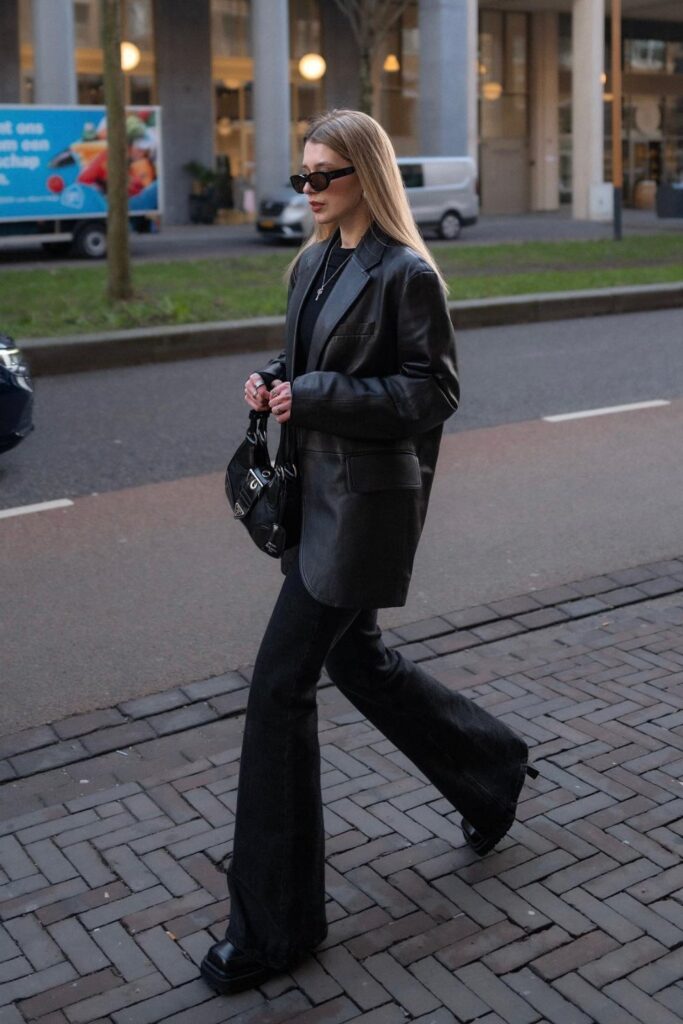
617	163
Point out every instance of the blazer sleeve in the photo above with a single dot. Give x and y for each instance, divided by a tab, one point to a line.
273	370
422	394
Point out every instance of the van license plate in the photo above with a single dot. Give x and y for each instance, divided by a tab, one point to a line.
267	223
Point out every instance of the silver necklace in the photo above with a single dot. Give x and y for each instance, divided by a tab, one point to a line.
326	282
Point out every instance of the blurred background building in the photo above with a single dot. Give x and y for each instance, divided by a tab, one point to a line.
521	85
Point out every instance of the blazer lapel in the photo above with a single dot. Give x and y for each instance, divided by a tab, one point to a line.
353	279
351	283
302	288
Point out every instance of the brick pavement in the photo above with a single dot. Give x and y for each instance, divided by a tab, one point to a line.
114	826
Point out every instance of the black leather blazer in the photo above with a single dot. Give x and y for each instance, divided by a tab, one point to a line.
381	378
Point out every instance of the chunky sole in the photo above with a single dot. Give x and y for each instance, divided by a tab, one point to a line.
482	843
230	985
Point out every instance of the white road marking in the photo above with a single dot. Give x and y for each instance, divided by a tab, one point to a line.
43	506
604	412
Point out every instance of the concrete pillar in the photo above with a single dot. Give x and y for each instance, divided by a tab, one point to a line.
588	50
340	50
448	77
10	65
544	87
272	117
54	54
182	39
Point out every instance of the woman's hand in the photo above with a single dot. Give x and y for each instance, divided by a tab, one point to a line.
280	399
256	393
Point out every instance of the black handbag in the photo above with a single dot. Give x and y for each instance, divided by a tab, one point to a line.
265	496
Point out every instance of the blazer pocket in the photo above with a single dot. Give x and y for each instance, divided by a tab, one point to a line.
354	330
382	471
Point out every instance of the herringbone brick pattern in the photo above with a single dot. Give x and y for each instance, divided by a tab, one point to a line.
108	901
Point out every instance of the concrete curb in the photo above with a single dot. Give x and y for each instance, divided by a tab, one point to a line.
85	352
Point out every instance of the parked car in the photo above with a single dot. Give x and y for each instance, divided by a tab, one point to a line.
16	395
441	190
285	214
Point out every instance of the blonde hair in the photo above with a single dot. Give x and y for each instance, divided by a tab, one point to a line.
360	140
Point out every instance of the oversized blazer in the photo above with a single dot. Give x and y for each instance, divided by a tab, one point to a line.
379	381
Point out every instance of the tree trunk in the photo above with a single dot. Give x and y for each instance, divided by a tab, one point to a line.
370	22
118	256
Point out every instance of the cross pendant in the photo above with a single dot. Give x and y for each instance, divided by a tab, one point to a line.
319	293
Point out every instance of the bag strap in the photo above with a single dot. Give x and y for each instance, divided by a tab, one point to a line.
286	452
257	436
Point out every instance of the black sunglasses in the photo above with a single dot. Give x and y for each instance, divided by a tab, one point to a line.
318	180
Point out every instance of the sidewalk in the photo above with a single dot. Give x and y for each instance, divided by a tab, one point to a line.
114	825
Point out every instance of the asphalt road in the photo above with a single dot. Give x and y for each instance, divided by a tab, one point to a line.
111	429
194	241
145	582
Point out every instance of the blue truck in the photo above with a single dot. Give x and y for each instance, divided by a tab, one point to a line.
53	175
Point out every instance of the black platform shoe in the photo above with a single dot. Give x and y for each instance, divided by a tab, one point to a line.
227	970
483	842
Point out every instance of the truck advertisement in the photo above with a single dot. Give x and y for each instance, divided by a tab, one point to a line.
53	163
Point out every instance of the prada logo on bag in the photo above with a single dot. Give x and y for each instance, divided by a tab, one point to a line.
238	510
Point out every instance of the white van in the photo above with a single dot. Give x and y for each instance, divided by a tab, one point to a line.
441	190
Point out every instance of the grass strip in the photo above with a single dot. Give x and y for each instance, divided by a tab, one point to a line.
52	302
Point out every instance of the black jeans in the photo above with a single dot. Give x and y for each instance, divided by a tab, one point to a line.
276	875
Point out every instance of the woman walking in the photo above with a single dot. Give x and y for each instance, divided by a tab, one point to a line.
366	380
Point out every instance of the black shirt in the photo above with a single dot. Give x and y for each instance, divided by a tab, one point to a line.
311	309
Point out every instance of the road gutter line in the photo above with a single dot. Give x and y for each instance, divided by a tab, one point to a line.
43	506
583	414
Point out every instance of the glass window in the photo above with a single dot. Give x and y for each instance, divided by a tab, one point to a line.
644	55
515	54
305	36
304	28
141	91
138	23
234	133
564	55
672	130
90	90
503	75
85	24
412	175
490	51
674	58
307	100
230	28
26	22
398	69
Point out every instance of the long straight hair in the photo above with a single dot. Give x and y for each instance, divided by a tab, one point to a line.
362	142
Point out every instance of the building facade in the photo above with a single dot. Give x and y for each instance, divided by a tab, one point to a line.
523	86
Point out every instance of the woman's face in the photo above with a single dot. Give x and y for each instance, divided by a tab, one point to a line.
342	197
